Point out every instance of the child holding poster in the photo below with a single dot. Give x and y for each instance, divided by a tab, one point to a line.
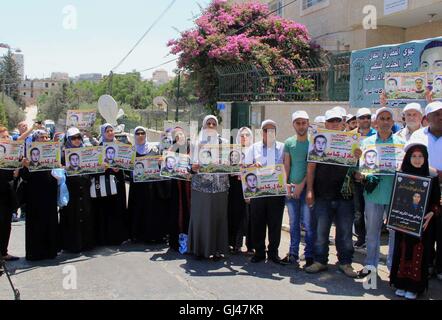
409	272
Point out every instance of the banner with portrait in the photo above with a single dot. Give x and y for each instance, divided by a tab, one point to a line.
81	119
334	147
264	182
44	156
11	153
409	204
176	166
147	169
220	158
83	161
406	86
368	68
437	86
381	159
119	155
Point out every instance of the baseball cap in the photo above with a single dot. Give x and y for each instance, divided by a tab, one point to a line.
433	107
341	110
300	115
268	122
333	114
72	132
350	117
413	106
320	119
384	109
363	112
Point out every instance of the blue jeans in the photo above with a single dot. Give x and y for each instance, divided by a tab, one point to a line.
299	212
342	213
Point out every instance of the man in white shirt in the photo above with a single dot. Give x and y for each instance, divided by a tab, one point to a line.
413	120
267	212
432	137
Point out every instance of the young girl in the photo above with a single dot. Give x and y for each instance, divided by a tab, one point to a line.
409	272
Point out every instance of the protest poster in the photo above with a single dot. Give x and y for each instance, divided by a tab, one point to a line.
368	68
406	86
119	155
264	182
381	159
147	169
11	153
409	204
81	119
176	166
83	161
334	147
220	159
437	86
44	156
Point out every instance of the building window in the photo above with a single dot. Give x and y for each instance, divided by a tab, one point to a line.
24	93
46	85
310	3
276	7
53	84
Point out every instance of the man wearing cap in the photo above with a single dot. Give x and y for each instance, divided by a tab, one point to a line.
295	155
352	122
324	194
365	130
413	119
377	201
432	137
266	212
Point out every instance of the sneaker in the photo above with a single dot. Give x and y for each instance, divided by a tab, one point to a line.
400	293
291	259
410	295
348	270
316	268
439	276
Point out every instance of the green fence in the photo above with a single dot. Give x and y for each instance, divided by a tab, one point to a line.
325	79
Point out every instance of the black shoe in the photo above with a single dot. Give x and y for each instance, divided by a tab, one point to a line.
277	260
10	258
257	259
309	262
363	273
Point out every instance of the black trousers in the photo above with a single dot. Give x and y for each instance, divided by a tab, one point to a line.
359	221
267	213
5	230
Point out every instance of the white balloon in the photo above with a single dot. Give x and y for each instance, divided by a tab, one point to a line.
108	108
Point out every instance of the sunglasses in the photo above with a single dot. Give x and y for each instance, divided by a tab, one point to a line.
75	138
211	124
140	133
365	118
335	120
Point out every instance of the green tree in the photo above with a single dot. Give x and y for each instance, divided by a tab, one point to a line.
10	78
14	113
3	117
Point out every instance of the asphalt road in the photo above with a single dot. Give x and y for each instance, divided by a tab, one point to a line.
152	272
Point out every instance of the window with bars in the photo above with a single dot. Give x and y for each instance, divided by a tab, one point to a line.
310	3
276	7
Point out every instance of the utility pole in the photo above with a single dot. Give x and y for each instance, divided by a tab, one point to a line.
178	95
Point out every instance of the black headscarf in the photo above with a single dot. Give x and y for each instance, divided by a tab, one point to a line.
407	167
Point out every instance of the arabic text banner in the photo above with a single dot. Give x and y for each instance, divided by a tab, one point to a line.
10	154
264	182
83	161
409	204
176	166
119	156
381	159
44	156
368	69
405	86
334	147
147	169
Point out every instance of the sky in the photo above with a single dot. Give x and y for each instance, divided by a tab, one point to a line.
104	33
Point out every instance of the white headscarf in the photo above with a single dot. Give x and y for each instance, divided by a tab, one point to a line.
203	137
238	136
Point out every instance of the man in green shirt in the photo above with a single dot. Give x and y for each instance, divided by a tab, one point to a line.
295	163
377	201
